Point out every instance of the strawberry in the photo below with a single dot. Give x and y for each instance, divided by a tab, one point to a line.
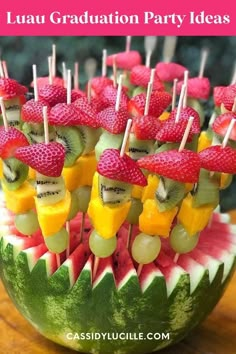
47	159
10	140
86	112
77	93
167	72
32	111
125	60
228	97
218	93
182	166
63	114
221	124
172	132
198	87
98	84
145	127
185	114
140	76
53	94
44	80
159	101
124	169
108	97
10	88
218	159
113	121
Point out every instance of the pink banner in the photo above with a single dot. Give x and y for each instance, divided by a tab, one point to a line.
103	17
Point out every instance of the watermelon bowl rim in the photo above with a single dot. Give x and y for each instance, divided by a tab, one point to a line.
168	300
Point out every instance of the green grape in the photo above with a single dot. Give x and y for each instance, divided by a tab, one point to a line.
83	194
134	211
100	246
145	248
180	240
27	223
57	242
74	206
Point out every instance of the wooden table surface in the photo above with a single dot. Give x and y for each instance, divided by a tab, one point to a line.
217	335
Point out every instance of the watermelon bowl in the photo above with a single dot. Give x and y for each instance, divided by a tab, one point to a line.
117	312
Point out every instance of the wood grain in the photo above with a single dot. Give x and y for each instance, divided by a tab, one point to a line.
217	335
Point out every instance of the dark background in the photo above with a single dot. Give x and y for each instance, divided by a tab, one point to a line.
21	52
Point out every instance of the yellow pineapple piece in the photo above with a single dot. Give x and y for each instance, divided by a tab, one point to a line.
88	166
225	180
94	192
150	190
203	141
105	219
1	169
71	176
154	222
32	173
164	116
21	200
137	192
53	217
189	187
194	219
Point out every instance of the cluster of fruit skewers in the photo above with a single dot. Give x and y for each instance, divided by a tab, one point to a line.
116	159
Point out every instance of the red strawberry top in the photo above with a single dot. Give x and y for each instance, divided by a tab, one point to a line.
10	140
146	127
228	96
63	114
159	101
169	71
218	159
47	159
218	93
140	76
172	132
198	87
32	111
124	169
221	124
185	114
10	88
125	60
53	94
182	166
108	96
98	84
87	113
113	121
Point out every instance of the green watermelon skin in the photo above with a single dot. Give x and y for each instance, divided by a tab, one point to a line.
165	303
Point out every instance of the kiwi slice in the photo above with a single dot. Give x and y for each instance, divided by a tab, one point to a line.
138	90
35	132
193	145
113	192
169	193
13	112
135	210
15	173
139	148
83	194
50	190
71	139
206	190
167	147
90	138
107	141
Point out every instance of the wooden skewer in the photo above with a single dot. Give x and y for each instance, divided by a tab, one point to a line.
4	115
128	43
5	70
68	87
53	60
95	266
104	62
204	56
114	67
36	93
149	45
1	70
186	133
64	73
118	97
139	270
180	104
186	73
149	92
130	231
174	94
228	132
76	75
45	124
176	257
126	137
50	77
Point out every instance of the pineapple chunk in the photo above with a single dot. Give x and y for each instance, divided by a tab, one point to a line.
137	192
194	219
32	173
203	141
1	169
21	200
53	217
94	192
154	222
107	220
150	190
88	166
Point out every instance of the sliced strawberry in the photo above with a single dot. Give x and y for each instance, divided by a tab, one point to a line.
182	166
125	60
124	169
44	80
145	127
113	121
185	114
109	94
159	101
87	113
63	114
140	76
47	159
221	124
218	159
198	87
218	93
172	132
10	88
53	94
167	72
10	140
32	111
98	84
229	96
